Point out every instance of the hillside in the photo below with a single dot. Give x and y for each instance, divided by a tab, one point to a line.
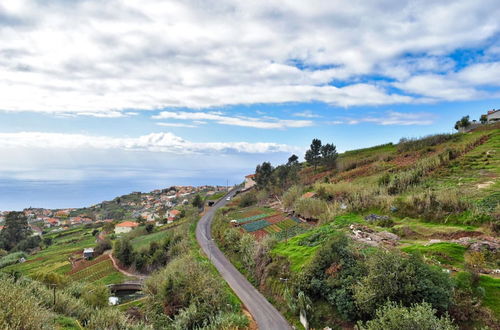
315	233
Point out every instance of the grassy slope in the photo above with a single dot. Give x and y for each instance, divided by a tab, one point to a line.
55	257
478	166
144	240
492	293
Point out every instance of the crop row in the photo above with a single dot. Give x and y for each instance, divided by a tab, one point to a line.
95	272
285	224
256	225
272	229
86	264
293	231
252	218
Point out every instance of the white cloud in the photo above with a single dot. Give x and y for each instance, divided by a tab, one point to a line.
306	114
176	125
391	118
154	142
218	117
93	56
462	85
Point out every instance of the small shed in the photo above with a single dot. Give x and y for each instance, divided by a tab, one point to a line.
88	253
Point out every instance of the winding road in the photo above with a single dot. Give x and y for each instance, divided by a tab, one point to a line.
266	316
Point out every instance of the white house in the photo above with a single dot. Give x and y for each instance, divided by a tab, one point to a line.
249	181
493	116
125	227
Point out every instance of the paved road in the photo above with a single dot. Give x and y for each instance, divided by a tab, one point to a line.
266	316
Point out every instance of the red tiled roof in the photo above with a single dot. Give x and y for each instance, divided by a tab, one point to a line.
250	176
175	212
127	224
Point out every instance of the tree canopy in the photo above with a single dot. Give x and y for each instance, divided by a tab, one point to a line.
16	230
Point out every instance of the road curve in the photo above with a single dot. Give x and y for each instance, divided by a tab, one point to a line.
266	316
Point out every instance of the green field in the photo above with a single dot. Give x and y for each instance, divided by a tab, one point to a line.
451	254
144	240
55	258
491	298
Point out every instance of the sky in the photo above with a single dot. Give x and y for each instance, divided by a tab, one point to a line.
101	98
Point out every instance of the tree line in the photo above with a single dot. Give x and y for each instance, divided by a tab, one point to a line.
284	176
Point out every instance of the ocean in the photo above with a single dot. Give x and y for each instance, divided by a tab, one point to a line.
20	194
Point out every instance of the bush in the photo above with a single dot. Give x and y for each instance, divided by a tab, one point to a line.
291	196
51	278
184	295
403	280
395	317
406	144
11	259
102	245
18	309
248	199
435	204
331	275
310	208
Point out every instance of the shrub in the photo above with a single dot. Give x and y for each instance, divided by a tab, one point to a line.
184	295
291	196
396	317
434	204
11	259
51	278
403	280
102	245
412	144
18	309
331	275
310	208
248	199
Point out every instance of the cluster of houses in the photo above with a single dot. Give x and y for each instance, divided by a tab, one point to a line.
127	226
491	117
157	205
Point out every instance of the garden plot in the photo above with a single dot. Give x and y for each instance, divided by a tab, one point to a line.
278	225
99	269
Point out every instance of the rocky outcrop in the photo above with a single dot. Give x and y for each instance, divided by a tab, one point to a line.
371	237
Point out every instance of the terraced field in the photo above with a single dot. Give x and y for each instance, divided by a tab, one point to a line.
56	258
278	225
95	272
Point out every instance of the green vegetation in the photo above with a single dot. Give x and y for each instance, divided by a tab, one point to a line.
491	288
144	241
28	304
419	316
296	252
16	236
445	253
366	251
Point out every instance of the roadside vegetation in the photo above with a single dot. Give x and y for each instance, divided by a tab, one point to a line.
182	290
393	236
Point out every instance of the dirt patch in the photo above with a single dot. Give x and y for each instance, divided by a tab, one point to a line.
276	218
82	264
364	170
259	234
485	184
249	213
456	235
405	160
252	325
